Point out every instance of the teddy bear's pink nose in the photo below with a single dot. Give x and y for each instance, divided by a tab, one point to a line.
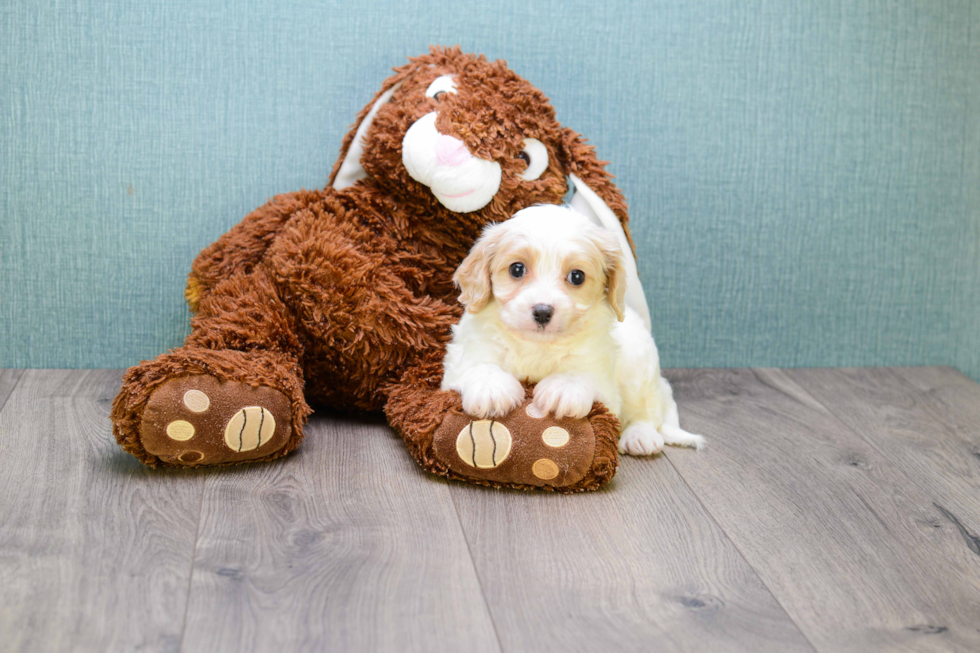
451	151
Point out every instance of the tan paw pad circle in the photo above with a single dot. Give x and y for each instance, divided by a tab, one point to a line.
196	401
249	428
533	412
555	436
180	430
483	444
544	469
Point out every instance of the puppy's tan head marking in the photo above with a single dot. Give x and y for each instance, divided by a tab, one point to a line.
612	257
472	277
546	268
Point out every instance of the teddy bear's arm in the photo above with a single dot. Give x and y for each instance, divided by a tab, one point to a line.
244	245
351	299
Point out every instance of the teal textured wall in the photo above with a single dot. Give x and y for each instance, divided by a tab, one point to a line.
804	177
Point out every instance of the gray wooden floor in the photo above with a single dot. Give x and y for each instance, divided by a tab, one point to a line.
834	510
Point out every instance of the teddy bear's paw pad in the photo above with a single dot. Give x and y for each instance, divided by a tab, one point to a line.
519	449
484	444
249	428
200	420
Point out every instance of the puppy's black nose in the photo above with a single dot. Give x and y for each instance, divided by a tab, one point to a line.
542	313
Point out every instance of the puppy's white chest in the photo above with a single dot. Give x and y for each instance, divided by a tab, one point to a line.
534	362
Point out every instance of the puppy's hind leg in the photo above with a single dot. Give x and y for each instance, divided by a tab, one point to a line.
648	400
671	428
641	439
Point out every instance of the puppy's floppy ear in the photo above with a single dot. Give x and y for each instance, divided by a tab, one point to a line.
612	260
598	199
472	277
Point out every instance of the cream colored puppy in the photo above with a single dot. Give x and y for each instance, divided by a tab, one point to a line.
544	296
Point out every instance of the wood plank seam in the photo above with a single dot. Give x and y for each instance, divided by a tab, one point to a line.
891	592
190	576
313	553
19	374
625	568
972	541
740	553
93	542
476	571
930	409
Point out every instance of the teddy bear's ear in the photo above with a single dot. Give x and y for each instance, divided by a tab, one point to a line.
348	168
597	198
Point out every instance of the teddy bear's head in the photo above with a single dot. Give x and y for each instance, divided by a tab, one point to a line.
463	142
454	132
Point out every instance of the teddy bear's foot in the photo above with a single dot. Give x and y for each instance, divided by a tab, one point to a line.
196	406
528	450
200	420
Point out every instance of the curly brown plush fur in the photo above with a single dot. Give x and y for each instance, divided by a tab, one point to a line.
344	297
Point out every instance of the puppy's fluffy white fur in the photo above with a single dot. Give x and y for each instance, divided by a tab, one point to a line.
551	259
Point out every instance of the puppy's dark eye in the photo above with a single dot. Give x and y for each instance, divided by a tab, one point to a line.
525	157
576	277
517	270
438	95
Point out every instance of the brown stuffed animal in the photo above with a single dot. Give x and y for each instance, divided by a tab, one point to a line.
343	297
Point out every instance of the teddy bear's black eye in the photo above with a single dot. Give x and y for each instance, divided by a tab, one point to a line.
576	277
517	270
535	155
438	95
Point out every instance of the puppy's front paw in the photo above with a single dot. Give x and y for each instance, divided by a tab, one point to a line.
491	394
563	395
641	439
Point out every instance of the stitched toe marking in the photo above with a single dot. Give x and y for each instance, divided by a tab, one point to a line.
249	428
196	401
555	436
483	444
544	469
534	413
180	430
191	457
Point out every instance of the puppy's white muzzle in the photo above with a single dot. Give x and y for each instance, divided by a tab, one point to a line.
460	181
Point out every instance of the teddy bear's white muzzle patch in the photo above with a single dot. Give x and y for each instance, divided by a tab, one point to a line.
460	181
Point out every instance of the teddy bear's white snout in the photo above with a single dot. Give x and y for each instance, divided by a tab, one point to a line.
460	181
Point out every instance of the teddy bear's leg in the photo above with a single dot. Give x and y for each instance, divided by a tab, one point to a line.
232	394
522	450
